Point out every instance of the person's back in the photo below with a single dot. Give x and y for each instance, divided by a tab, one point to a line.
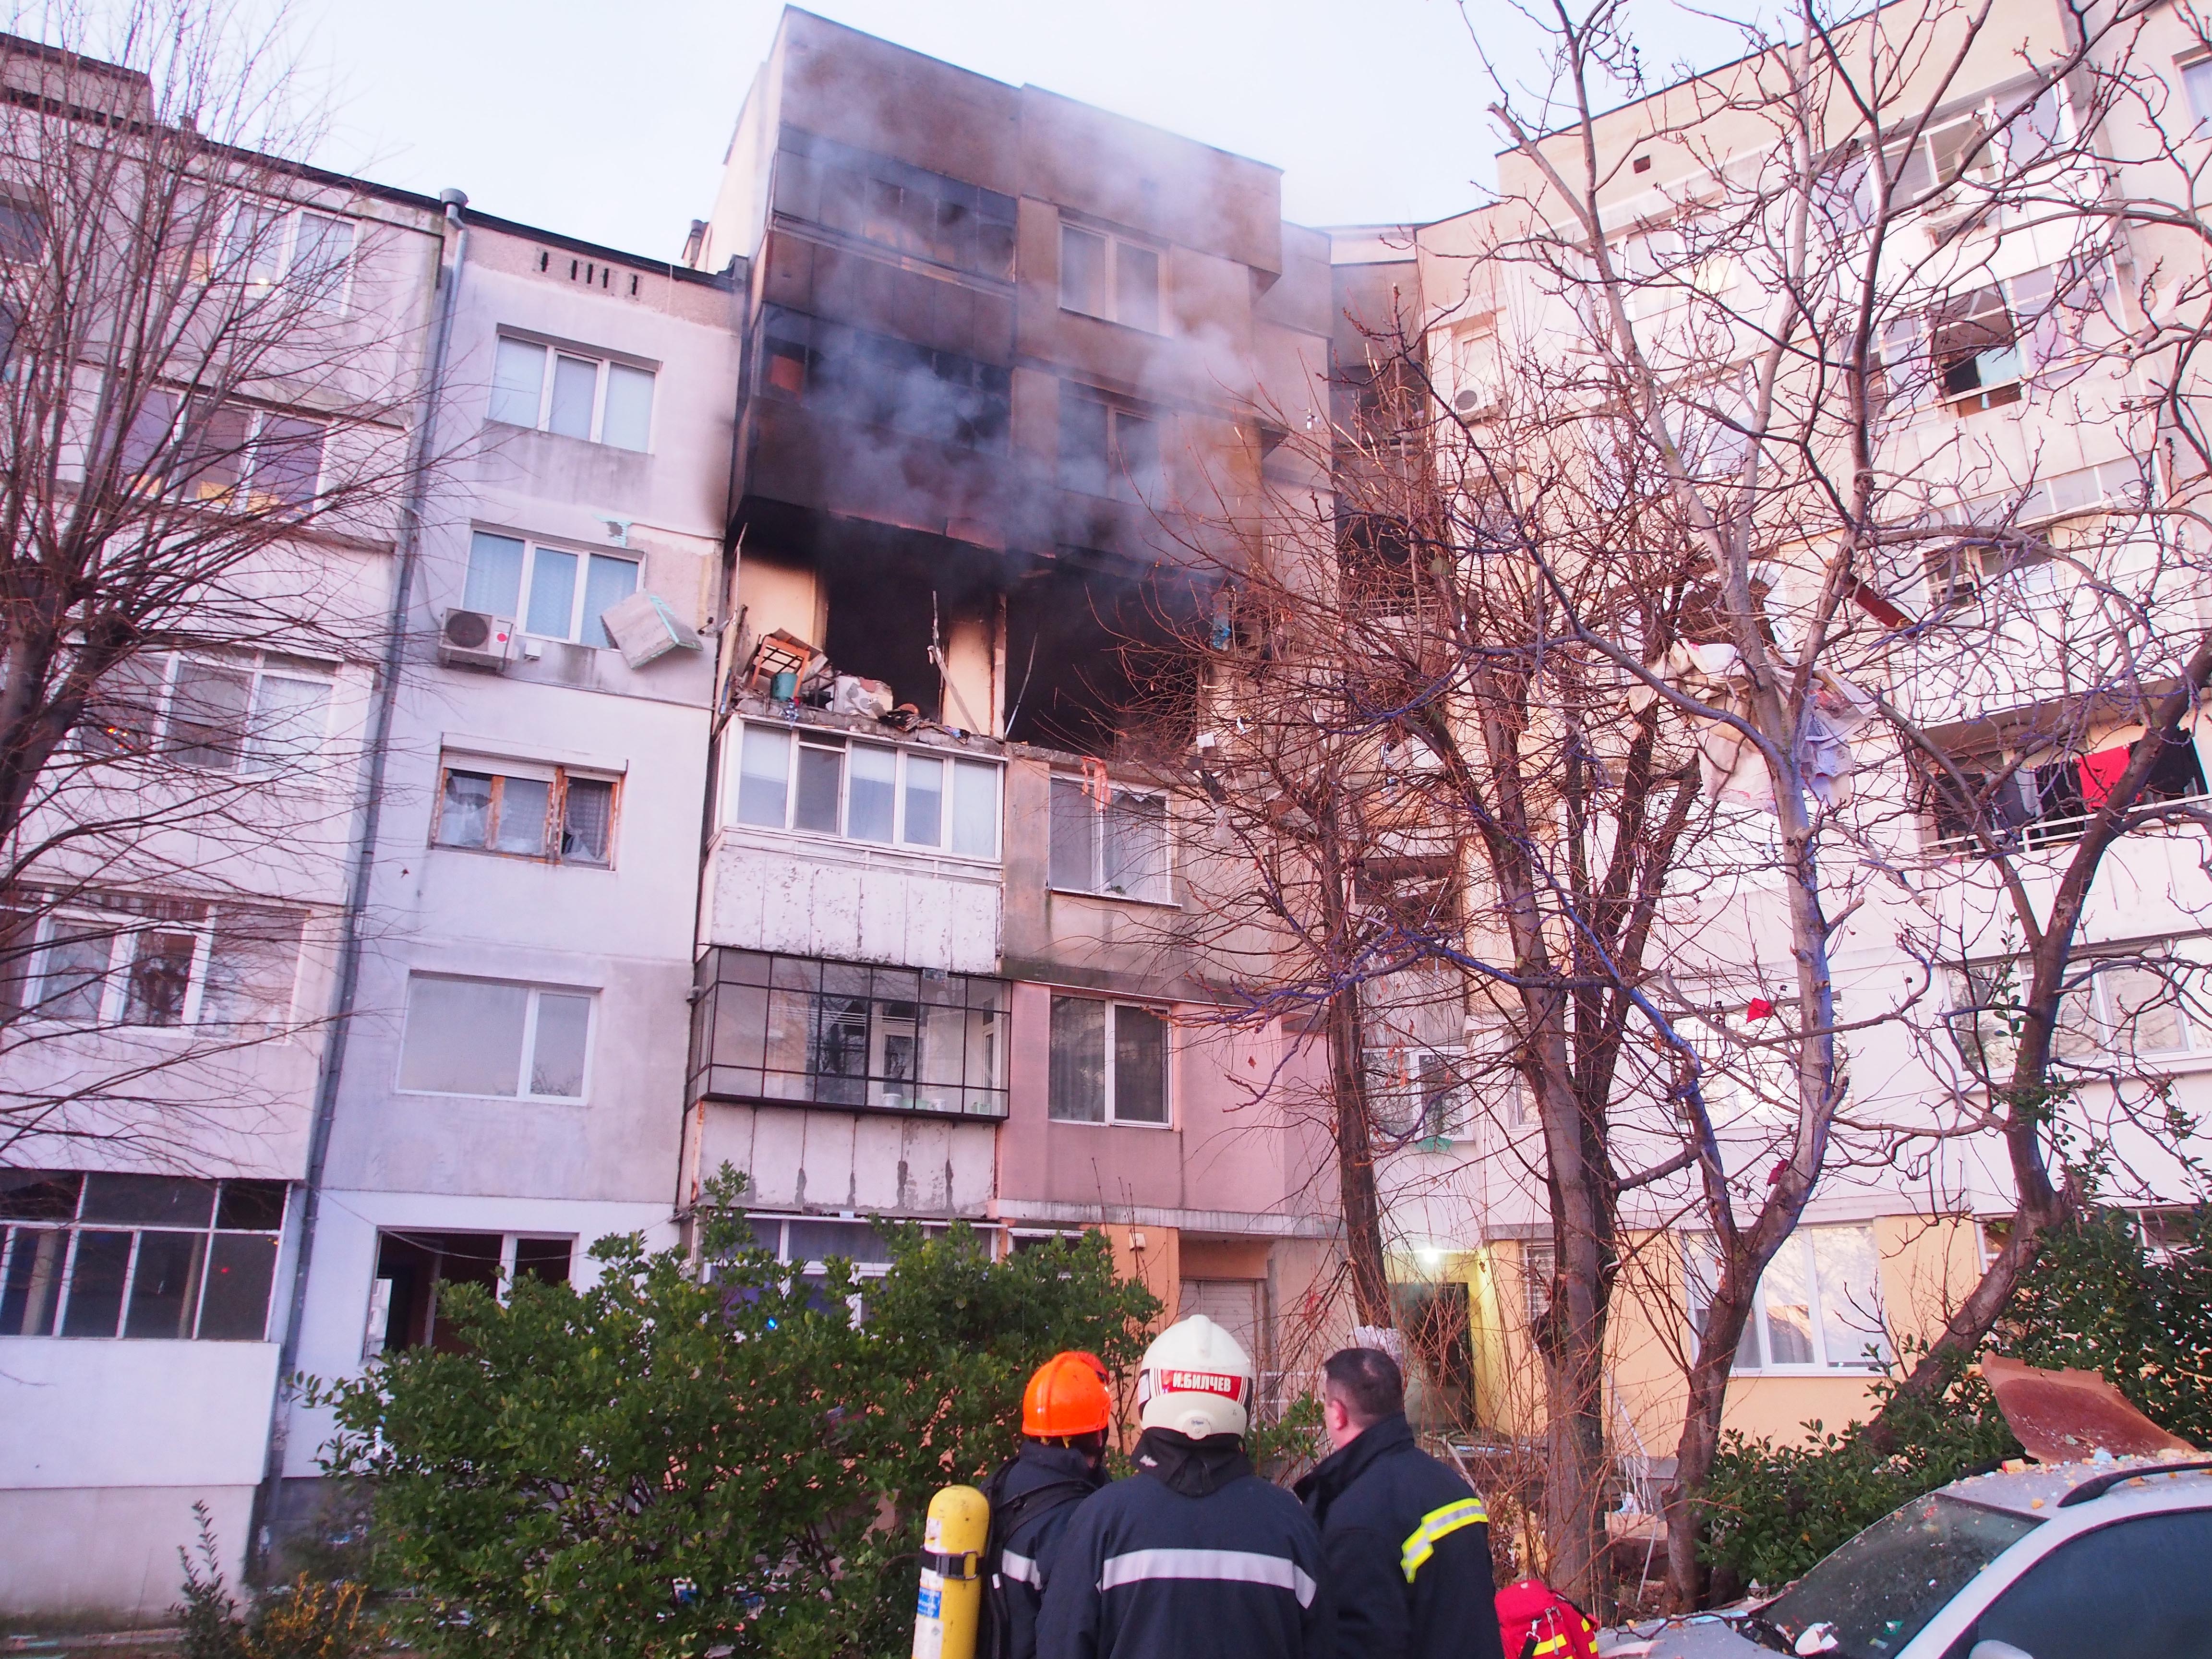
1194	1556
1405	1539
1032	1500
1066	1412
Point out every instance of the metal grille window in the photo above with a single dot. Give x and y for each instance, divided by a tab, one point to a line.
1108	1062
526	811
770	1028
94	1255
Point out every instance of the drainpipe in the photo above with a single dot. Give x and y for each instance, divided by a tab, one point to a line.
370	808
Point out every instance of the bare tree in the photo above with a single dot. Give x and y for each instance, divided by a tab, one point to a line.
1717	600
210	373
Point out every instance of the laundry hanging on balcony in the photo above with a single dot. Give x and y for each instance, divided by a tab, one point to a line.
1729	766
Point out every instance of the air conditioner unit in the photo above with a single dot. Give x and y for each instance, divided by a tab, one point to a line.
476	639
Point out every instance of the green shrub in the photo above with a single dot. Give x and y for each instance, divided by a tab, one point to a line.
307	1619
670	1461
2096	1299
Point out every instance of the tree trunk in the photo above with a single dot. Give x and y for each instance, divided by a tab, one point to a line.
1574	1461
1683	1502
1355	1163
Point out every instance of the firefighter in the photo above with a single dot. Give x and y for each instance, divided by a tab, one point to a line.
1066	1413
1194	1556
1406	1540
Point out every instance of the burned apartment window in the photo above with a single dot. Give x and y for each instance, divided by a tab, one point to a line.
2047	803
526	811
872	380
485	1036
555	592
412	1269
770	1028
572	393
246	711
823	783
136	1256
124	959
1108	1062
878	199
1110	841
1106	449
1976	350
1110	277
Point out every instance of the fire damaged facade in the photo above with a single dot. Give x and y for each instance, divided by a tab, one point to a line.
1011	367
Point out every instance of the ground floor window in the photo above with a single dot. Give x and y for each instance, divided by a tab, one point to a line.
102	1256
413	1267
1818	1306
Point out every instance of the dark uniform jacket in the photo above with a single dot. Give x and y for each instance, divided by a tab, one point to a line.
1194	1557
1031	1499
1407	1545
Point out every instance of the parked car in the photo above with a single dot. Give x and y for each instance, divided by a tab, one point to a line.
2065	1561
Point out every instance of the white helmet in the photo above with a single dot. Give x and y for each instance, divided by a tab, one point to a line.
1197	1379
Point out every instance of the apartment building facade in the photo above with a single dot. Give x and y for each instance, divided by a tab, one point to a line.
2007	414
181	892
1008	368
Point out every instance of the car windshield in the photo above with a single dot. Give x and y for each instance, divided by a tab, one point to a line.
1877	1591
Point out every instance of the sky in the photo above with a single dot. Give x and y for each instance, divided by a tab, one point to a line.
608	121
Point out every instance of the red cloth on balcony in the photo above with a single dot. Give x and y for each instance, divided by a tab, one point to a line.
2099	772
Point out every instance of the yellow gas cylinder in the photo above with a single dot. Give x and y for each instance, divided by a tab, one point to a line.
951	1605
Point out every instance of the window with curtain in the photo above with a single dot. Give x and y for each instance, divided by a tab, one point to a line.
1817	1308
1118	846
572	393
1108	1062
823	783
548	812
555	592
480	1037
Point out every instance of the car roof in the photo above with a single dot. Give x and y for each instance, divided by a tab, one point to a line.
2041	1489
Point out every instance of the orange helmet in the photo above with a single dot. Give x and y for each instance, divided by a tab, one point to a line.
1066	1395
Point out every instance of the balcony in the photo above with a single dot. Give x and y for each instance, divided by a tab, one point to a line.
770	1030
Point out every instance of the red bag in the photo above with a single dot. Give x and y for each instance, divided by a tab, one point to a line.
1536	1622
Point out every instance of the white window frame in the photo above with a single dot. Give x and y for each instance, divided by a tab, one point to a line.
259	666
531	548
1111	1120
123	930
294	215
799	737
528	1047
1167	872
2088	1019
1699	1265
1111	270
556	802
601	361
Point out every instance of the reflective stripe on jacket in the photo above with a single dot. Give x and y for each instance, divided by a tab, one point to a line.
1407	1546
1226	1567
